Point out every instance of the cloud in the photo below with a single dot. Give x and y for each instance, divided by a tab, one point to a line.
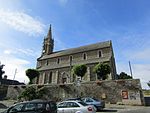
22	22
141	71
20	51
11	64
141	55
7	51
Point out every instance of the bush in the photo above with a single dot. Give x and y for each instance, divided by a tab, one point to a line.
31	93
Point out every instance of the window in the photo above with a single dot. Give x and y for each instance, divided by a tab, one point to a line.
45	78
99	53
58	60
46	62
70	59
50	77
40	106
89	100
62	105
84	56
30	107
53	106
72	104
17	108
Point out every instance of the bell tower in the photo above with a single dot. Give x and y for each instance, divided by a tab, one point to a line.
48	43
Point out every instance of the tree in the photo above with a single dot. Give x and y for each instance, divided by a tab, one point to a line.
31	74
148	83
31	93
1	70
28	94
79	70
102	70
123	75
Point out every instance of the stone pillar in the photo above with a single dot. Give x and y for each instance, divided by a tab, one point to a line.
43	78
88	73
56	77
53	77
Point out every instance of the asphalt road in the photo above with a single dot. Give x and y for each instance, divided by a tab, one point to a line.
130	109
140	110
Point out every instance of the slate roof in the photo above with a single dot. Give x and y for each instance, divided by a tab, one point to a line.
77	50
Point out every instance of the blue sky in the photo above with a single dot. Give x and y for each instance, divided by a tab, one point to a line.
24	23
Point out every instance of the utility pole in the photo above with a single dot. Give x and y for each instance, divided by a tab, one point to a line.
14	75
70	66
130	69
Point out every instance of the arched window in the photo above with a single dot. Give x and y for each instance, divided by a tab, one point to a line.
58	60
70	58
99	53
46	62
50	77
84	56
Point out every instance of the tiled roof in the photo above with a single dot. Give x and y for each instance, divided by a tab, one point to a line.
77	50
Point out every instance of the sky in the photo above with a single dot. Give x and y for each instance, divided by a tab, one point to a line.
25	23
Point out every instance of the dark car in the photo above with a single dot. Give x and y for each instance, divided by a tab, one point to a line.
34	106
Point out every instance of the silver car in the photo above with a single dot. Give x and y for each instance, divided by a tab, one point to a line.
75	107
99	104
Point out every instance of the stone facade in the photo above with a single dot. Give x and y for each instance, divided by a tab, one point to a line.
111	91
55	67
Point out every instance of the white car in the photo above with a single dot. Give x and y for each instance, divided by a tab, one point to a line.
75	107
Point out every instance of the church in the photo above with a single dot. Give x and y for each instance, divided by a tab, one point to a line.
55	67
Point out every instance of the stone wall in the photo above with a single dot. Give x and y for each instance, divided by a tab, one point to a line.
3	91
117	91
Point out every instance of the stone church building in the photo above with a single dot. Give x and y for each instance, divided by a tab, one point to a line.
55	66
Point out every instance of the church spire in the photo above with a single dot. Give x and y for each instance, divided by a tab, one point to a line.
49	34
48	44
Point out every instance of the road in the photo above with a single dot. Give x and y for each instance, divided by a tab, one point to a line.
130	109
140	110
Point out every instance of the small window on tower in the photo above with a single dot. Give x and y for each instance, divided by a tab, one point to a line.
46	62
99	53
84	56
70	59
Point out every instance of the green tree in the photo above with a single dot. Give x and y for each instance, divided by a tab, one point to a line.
31	74
148	83
102	70
123	75
31	93
28	94
79	70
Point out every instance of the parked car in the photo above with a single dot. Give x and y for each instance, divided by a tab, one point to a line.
99	104
74	106
34	106
78	99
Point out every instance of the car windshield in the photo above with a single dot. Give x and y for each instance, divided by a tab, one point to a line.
82	103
